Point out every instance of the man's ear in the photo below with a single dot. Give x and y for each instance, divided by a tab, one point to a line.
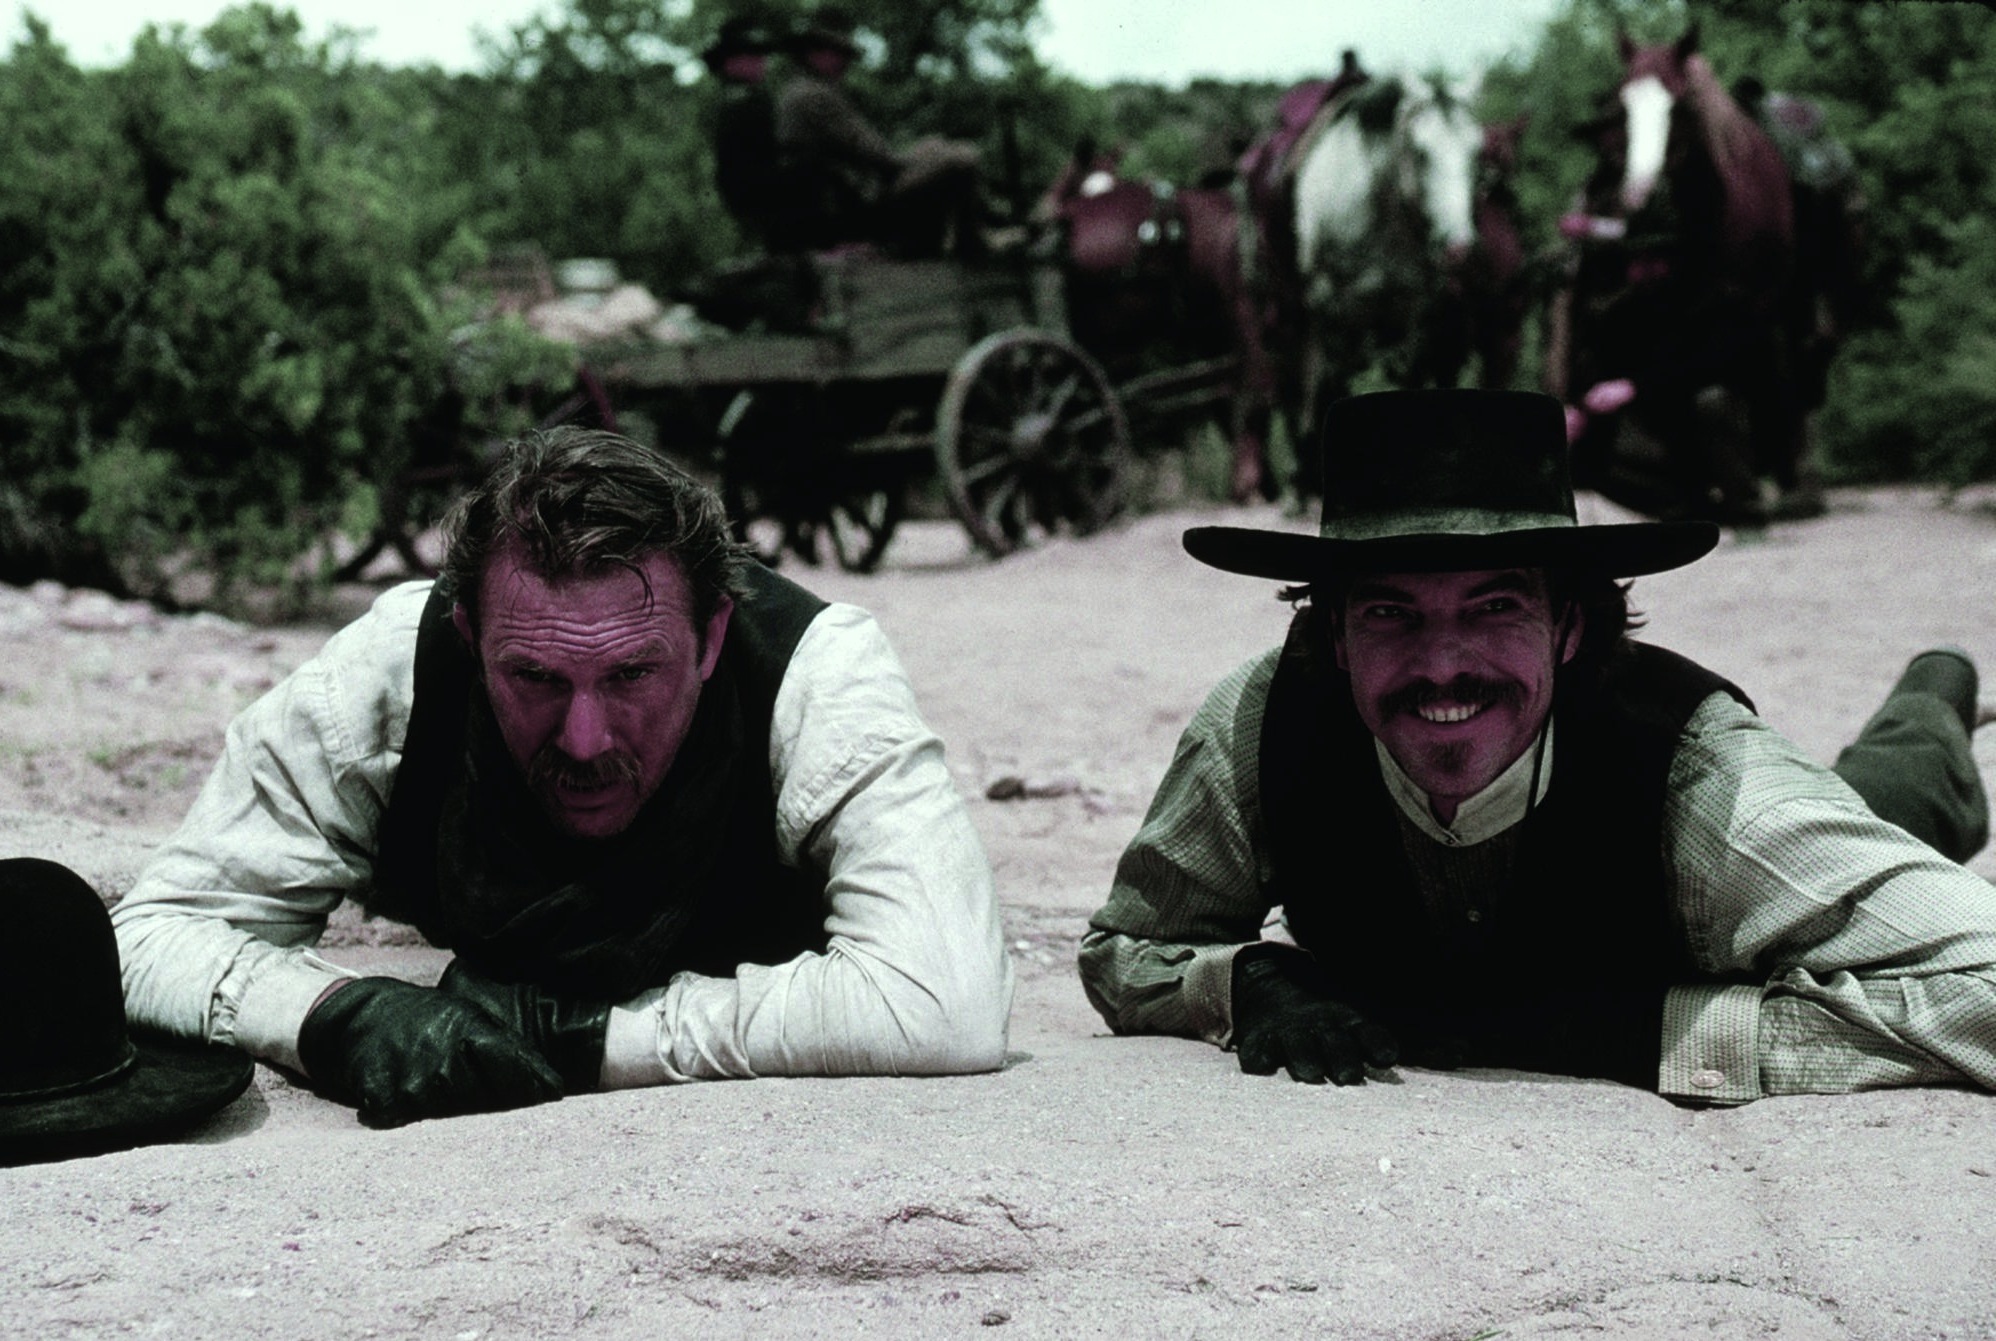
461	621
1335	635
713	635
1572	628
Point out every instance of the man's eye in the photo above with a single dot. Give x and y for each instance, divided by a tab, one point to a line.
532	675
629	673
1499	605
1385	612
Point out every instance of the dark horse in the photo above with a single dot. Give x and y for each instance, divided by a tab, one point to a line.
1154	278
1678	318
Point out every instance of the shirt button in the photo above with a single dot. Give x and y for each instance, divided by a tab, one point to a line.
1475	915
1708	1080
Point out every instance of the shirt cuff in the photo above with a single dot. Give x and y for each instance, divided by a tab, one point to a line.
1208	986
1711	1044
631	1053
275	1004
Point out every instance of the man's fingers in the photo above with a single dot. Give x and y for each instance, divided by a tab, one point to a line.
1259	1056
1306	1055
1378	1045
1342	1059
509	1074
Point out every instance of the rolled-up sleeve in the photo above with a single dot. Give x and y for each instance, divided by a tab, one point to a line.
915	978
1845	954
215	937
1189	890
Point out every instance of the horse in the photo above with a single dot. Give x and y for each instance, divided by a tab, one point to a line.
1151	268
1384	190
1497	279
1701	223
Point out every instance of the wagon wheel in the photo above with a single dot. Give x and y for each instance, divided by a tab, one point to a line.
860	524
1030	435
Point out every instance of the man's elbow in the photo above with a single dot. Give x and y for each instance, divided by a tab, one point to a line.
960	1029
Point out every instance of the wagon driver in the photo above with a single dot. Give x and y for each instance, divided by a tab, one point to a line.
1502	833
677	818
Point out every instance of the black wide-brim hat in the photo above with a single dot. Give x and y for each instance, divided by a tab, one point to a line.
73	1079
740	36
1449	481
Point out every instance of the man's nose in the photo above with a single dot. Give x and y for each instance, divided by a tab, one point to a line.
1443	652
585	728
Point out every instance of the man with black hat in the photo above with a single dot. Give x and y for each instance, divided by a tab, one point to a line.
1503	834
677	818
745	155
848	183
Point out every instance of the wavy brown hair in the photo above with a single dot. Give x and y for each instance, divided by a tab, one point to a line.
582	500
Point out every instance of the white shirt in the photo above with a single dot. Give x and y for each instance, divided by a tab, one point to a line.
1503	802
217	936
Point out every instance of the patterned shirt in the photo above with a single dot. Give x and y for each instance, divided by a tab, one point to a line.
1868	959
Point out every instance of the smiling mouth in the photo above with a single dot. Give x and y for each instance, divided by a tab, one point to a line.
1443	714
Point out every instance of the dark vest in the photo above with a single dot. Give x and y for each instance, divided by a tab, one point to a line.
466	856
1585	904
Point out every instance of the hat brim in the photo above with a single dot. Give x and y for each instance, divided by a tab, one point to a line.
1626	550
174	1083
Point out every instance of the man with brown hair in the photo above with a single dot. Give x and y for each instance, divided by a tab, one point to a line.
1501	833
677	818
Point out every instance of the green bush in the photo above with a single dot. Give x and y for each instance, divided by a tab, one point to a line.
223	322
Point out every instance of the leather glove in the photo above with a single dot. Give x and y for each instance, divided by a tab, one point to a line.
566	1032
401	1053
1284	1016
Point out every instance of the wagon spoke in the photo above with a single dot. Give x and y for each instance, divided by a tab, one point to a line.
995	504
985	469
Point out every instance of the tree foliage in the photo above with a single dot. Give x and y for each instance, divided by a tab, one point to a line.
234	303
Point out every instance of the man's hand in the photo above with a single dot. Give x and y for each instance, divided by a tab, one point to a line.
1284	1016
567	1033
400	1053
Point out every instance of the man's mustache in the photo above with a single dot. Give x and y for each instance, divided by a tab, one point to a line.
1473	690
551	768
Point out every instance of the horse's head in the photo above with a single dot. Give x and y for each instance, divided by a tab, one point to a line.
1653	79
1438	143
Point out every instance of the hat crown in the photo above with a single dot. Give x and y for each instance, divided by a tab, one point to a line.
59	990
1444	462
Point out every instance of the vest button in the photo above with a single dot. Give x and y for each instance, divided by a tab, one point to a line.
1708	1080
1474	914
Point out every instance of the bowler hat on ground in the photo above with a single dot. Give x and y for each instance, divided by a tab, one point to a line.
1449	481
73	1079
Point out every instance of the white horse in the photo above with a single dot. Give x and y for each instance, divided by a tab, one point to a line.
1384	188
1395	162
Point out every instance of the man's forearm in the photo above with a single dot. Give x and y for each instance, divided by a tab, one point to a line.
1156	987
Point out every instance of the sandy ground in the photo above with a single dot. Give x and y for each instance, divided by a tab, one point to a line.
1096	1185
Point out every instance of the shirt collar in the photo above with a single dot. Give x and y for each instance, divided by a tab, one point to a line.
1483	816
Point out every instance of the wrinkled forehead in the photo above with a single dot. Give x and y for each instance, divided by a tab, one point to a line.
653	588
1448	586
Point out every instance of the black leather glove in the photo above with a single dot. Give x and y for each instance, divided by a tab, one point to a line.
1284	1015
400	1053
568	1033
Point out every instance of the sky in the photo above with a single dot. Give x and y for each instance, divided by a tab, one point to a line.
1167	41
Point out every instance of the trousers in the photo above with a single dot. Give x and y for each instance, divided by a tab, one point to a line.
1912	765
